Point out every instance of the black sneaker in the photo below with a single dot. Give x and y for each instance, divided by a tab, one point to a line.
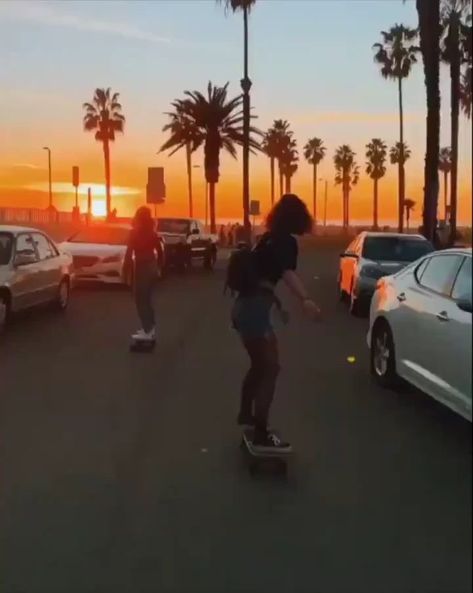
271	443
245	419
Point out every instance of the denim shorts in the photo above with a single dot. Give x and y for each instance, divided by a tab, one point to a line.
251	315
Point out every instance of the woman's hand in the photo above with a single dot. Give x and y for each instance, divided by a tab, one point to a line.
311	309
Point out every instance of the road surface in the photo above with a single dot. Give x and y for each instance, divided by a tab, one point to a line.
121	472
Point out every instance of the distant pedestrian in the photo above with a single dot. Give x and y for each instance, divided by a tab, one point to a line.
144	246
231	236
253	275
222	236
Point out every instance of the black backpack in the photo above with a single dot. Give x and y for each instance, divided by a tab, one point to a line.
242	270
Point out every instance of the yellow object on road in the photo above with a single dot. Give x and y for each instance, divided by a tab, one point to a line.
351	359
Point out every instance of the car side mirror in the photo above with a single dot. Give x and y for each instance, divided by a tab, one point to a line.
465	304
23	259
349	254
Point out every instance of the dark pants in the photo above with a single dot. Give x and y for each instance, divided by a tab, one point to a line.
260	381
145	277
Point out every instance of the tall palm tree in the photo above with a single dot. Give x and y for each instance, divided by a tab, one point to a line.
396	55
183	134
429	34
288	158
284	142
270	147
455	32
347	175
445	166
104	117
376	152
220	120
314	152
408	206
244	6
466	91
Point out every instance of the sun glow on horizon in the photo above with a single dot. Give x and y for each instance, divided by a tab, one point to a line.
99	208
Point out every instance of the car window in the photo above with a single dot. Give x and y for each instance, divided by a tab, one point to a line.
440	273
5	248
397	249
179	226
462	286
102	235
421	269
24	246
45	250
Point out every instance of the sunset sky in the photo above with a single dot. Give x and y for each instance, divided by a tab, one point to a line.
311	62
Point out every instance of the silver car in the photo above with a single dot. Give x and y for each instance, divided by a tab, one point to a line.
370	257
32	271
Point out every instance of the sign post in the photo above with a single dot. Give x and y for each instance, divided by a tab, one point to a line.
75	182
155	188
254	210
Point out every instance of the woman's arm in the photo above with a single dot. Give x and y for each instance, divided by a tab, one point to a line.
128	259
296	286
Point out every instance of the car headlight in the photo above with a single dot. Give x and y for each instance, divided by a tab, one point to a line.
371	272
112	259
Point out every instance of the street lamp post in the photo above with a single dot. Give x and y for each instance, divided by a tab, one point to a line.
246	86
49	176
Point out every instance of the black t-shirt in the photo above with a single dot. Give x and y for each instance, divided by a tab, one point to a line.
144	244
275	254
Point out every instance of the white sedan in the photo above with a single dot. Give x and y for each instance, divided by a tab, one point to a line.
98	253
420	328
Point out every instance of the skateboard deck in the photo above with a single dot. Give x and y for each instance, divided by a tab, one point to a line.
142	345
272	460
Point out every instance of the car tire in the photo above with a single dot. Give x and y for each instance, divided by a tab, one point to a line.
4	312
63	295
356	306
383	355
342	295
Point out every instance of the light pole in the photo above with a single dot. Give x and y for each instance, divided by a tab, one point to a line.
49	176
325	201
246	86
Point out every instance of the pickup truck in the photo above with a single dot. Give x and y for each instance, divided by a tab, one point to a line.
186	242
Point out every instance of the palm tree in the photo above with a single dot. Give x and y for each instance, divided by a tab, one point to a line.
284	142
429	34
466	91
314	152
455	32
103	116
270	147
288	158
347	175
244	6
219	120
183	134
396	56
445	166
408	206
376	152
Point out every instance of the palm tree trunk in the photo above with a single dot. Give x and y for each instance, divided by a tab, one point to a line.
375	204
288	183
429	28
281	180
314	194
445	194
213	224
108	189
271	164
189	178
455	108
401	189
408	216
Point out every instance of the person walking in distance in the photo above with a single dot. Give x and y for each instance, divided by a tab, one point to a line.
254	275
145	247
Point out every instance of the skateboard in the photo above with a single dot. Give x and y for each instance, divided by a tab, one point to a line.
142	345
271	461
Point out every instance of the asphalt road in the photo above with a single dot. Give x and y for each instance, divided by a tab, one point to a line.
122	472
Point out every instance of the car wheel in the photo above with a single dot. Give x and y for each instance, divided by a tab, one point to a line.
342	295
63	294
4	311
383	355
356	308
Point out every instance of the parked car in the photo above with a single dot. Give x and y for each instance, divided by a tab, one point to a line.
186	242
370	257
33	271
98	252
420	328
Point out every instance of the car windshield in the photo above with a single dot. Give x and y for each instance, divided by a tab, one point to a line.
102	235
395	248
173	225
5	248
